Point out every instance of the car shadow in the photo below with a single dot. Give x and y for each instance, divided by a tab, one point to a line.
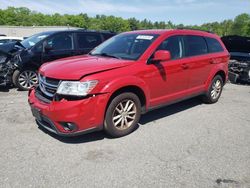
5	88
8	88
169	110
241	83
90	137
146	118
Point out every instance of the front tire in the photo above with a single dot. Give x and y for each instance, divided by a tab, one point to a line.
25	79
122	115
214	92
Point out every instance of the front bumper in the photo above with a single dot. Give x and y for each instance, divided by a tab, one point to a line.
86	114
243	76
6	75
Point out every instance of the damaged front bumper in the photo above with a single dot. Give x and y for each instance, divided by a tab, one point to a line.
7	67
239	71
6	70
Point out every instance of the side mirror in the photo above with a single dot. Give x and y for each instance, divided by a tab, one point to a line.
161	55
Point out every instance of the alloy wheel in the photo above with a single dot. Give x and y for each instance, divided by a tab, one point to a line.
27	79
216	89
124	114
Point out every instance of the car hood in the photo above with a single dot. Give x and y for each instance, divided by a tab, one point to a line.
237	43
11	48
74	68
7	48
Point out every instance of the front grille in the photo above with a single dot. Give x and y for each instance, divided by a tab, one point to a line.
42	97
48	85
52	81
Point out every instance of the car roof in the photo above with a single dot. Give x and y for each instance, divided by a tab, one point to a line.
76	30
170	31
150	31
48	33
14	38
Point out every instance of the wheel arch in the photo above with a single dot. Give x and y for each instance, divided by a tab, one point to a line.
29	66
215	72
222	74
133	89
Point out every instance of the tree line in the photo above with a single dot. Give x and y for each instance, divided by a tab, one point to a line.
22	16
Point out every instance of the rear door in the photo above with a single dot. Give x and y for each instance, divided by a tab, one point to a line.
198	61
87	41
60	45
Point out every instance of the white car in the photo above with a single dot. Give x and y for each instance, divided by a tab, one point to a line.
5	39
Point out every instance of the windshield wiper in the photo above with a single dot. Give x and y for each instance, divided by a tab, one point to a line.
106	55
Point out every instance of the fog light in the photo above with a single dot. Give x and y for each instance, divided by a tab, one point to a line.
67	126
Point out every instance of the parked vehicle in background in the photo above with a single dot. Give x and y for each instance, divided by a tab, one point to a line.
127	75
5	39
239	65
21	60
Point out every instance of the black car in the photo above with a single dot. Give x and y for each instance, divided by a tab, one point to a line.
19	61
239	65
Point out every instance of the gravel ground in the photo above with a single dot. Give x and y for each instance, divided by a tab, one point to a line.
188	144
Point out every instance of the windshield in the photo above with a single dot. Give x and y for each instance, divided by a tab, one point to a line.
125	46
31	41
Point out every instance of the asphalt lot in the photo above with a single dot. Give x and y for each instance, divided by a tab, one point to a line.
188	144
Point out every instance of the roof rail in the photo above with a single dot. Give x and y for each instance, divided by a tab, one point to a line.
92	30
182	28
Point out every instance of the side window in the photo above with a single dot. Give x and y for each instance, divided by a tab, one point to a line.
38	48
86	40
62	41
174	46
214	45
195	45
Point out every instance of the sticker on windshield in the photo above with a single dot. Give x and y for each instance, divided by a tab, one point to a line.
145	37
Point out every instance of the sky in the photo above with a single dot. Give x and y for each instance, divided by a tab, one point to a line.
188	12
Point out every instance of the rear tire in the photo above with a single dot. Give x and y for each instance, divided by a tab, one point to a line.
214	92
122	115
25	79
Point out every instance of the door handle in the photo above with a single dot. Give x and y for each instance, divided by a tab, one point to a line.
185	66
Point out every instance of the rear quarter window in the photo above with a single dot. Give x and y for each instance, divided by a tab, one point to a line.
213	45
195	45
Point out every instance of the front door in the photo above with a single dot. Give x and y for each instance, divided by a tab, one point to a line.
58	46
168	80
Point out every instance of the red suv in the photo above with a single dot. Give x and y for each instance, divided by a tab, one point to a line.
128	75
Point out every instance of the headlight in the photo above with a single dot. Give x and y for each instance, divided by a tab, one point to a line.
76	88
